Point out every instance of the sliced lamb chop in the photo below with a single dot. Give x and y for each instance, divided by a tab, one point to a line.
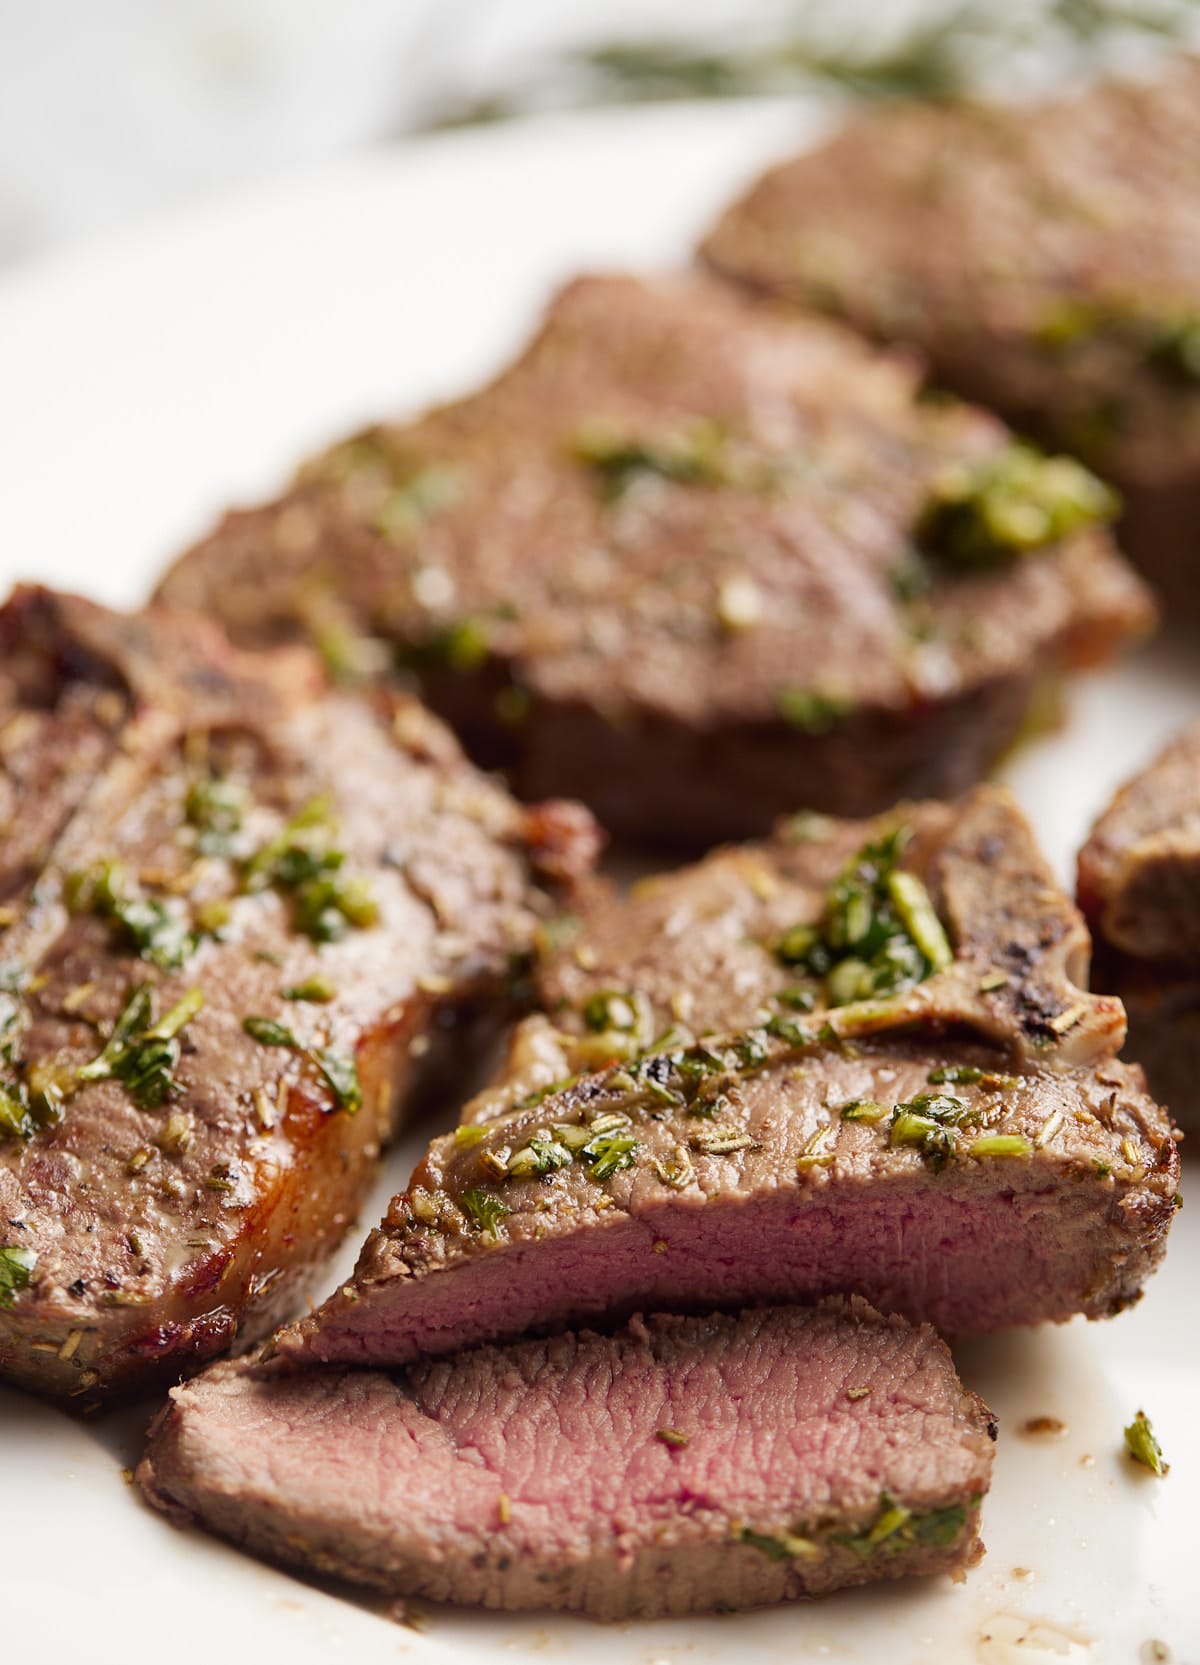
1139	884
679	1466
666	563
954	1140
242	918
1044	259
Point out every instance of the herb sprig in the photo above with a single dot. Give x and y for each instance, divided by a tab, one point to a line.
140	1053
338	1069
879	933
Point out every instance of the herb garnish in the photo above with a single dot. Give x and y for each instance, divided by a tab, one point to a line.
16	1270
968	1075
142	1054
780	1546
215	808
318	989
302	861
930	1122
896	1528
338	1068
1167	342
1143	1447
154	933
982	515
696	453
485	1208
879	933
810	710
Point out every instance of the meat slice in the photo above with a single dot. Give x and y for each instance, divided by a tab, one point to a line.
679	1466
1045	260
242	919
665	564
959	1146
1139	884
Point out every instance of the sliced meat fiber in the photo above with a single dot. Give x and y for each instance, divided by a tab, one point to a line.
679	1466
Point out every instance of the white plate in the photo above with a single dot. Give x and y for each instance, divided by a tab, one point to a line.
146	382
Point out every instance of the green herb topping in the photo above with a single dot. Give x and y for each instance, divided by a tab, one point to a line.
611	1009
412	502
896	1528
318	989
810	710
930	1122
215	807
780	1546
269	1033
301	861
142	1055
485	1209
982	515
1167	342
879	933
1001	1144
1143	1447
968	1075
339	1069
695	454
672	1437
863	1110
16	1270
151	931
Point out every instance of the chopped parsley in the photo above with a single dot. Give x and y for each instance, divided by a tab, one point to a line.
410	503
146	925
878	934
696	453
930	1122
339	1069
141	1054
610	1009
984	514
968	1075
301	861
810	710
1142	1446
318	989
1001	1144
269	1033
214	807
16	1271
485	1209
1166	342
780	1546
